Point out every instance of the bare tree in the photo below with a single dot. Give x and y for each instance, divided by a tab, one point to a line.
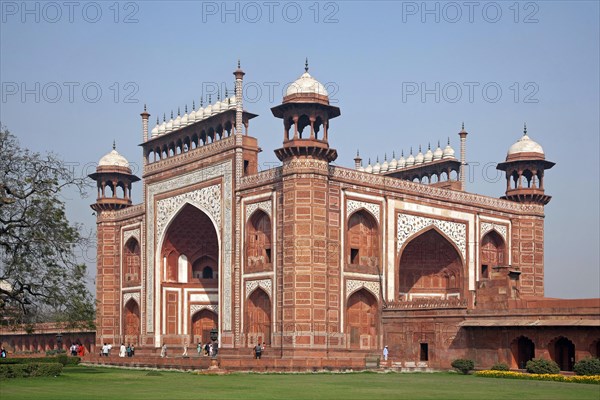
40	276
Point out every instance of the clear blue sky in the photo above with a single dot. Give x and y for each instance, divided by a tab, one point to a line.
384	62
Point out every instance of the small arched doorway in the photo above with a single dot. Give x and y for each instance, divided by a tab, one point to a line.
202	323
562	351
258	317
361	320
132	322
523	350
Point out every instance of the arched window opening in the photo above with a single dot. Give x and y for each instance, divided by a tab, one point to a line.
317	126
258	243
493	253
430	267
515	179
199	266
207	273
303	122
363	243
132	263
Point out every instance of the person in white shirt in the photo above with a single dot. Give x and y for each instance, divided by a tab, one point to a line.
385	353
122	350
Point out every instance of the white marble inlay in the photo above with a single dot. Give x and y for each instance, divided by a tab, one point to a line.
353	205
408	225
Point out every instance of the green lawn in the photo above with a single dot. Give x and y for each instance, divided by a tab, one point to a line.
108	383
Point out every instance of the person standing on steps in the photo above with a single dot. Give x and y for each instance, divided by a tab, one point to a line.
257	351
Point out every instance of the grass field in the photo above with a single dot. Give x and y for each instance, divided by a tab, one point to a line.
108	383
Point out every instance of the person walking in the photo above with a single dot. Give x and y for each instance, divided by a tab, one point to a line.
163	351
199	348
386	352
122	350
185	347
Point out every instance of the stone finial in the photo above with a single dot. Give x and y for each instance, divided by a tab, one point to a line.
306	65
524	128
114	145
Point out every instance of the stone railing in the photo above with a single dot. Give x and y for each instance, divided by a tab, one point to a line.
267	176
192	154
427	304
433	192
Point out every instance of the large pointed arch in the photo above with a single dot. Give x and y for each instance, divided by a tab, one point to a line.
193	234
189	255
430	265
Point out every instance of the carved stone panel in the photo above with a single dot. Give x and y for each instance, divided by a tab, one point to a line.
128	296
353	205
263	205
488	226
264	284
352	285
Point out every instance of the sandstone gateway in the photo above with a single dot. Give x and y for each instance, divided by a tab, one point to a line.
324	261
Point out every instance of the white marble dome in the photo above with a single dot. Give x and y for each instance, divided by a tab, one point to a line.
525	145
200	114
113	159
162	128
410	160
154	131
438	153
448	151
428	157
419	158
402	161
306	84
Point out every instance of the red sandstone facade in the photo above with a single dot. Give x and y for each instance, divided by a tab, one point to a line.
324	261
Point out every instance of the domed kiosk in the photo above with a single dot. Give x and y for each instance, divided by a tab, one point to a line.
524	166
306	105
113	179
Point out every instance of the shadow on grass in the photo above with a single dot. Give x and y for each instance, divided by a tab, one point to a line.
86	370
